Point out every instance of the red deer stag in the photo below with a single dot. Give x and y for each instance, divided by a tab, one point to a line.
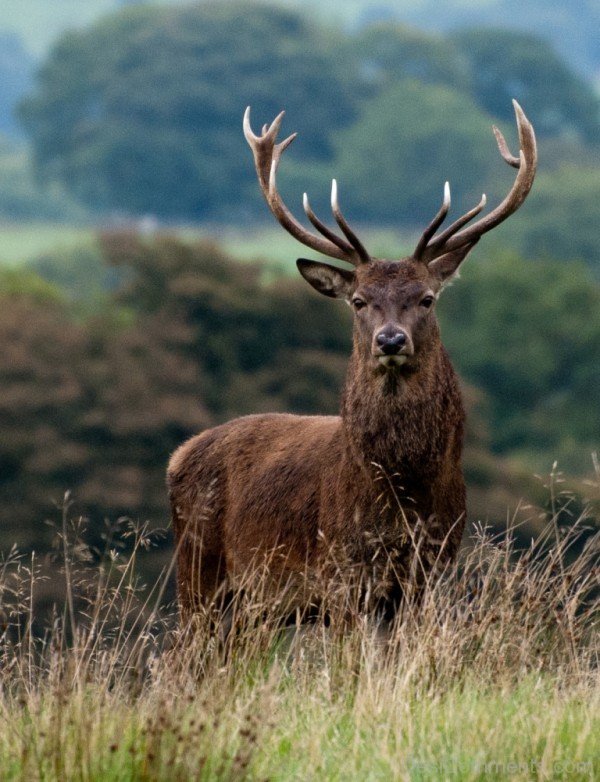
290	489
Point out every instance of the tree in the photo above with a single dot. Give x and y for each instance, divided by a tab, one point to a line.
525	333
508	64
561	218
408	139
16	71
391	52
93	406
142	112
571	26
258	346
23	198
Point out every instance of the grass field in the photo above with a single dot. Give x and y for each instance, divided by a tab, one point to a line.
281	729
280	251
494	677
23	242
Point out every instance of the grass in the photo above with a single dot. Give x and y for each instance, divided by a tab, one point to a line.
278	250
494	676
22	242
275	730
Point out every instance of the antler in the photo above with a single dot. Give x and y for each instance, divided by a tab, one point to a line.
267	154
430	246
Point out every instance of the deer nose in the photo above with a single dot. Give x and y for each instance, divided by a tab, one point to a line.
391	343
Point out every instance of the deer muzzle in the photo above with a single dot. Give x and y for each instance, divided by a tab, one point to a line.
392	346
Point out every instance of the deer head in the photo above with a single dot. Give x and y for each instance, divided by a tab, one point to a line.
393	300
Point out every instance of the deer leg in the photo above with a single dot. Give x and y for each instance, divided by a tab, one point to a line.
196	512
201	573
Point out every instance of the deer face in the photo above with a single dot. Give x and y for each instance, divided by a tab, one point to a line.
393	304
393	301
393	307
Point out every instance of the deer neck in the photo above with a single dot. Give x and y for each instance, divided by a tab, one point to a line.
393	421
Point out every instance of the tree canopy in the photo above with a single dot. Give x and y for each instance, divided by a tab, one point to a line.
95	401
22	197
141	113
525	334
407	141
561	220
391	52
508	64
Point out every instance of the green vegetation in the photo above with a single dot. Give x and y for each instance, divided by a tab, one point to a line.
117	350
562	218
388	53
507	64
522	333
141	112
22	197
437	125
495	678
271	246
27	241
37	244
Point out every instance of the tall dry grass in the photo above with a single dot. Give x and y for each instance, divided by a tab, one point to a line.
493	675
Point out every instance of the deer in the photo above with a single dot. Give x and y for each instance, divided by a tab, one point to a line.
385	474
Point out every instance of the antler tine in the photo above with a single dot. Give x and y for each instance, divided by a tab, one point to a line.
434	224
341	221
513	161
320	226
267	155
526	163
264	148
456	225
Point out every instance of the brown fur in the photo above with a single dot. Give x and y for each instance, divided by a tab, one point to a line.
378	490
302	492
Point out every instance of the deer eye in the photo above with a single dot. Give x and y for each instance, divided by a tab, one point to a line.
427	302
358	303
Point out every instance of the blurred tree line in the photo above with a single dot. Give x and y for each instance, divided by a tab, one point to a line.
168	338
16	75
23	197
141	113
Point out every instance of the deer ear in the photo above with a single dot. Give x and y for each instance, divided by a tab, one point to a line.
328	280
446	266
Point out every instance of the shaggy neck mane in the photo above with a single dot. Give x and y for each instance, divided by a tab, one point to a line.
395	420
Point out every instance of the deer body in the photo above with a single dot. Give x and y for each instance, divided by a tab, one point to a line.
302	495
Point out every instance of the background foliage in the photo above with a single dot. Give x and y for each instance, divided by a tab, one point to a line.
126	326
120	343
140	113
96	392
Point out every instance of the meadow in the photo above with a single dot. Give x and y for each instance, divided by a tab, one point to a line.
157	304
493	676
24	242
